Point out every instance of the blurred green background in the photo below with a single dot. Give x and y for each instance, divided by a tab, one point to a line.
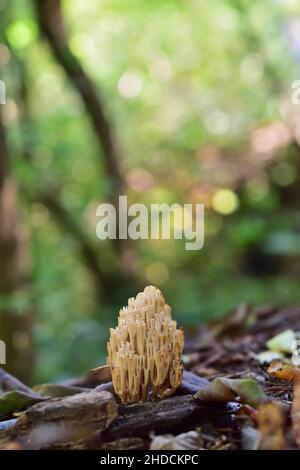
197	99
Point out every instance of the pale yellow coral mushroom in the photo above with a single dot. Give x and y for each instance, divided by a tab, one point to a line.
144	350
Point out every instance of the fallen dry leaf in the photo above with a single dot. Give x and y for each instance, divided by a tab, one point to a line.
225	390
284	371
271	424
186	441
282	342
296	410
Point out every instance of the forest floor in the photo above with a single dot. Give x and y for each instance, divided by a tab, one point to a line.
230	397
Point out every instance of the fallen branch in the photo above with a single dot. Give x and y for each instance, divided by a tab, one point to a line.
74	422
139	419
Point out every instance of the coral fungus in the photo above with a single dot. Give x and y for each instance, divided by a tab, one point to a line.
144	350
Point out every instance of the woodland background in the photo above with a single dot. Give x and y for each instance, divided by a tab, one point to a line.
164	101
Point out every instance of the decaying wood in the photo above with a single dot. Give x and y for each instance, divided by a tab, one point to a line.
66	423
139	419
93	420
74	422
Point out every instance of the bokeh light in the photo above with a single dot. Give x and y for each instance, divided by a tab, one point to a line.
157	273
225	201
21	33
130	85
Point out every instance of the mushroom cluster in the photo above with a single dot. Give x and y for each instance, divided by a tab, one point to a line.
144	350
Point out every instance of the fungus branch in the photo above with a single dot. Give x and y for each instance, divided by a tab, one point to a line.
144	350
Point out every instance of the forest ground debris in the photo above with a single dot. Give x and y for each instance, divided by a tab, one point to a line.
271	424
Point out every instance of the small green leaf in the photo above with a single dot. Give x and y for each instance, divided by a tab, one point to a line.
15	400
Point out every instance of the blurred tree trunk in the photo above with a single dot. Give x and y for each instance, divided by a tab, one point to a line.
104	283
51	24
15	325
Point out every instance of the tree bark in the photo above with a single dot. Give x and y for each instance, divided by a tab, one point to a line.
74	422
139	419
93	420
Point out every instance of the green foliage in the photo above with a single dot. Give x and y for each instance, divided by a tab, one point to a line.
16	400
191	88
